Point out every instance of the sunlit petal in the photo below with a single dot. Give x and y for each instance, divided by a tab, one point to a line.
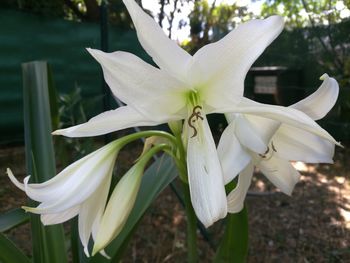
285	115
318	104
219	69
280	172
109	121
205	175
297	145
140	85
164	51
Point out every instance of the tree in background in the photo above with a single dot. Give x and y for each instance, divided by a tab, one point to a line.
327	29
210	22
78	10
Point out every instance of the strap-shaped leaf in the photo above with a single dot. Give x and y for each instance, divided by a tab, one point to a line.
48	242
233	246
10	253
12	219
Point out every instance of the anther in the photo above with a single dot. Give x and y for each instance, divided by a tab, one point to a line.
264	154
193	118
273	147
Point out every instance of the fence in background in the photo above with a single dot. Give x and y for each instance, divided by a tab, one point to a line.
25	37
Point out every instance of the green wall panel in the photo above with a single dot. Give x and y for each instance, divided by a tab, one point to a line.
25	37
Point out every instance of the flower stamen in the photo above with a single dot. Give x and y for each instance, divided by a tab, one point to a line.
264	155
196	115
273	147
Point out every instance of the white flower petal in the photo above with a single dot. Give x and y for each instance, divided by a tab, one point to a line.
14	179
280	172
297	145
235	199
165	52
263	127
205	175
285	115
52	219
81	184
147	89
220	68
318	104
91	210
109	121
54	188
233	157
248	135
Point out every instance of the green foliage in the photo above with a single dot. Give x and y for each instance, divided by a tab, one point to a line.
43	7
13	219
10	253
211	22
72	111
48	242
77	10
299	12
234	244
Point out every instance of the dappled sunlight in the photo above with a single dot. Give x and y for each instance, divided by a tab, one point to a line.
317	215
303	167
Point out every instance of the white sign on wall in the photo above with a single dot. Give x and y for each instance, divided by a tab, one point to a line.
265	84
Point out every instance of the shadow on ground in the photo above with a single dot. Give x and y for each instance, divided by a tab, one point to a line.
311	226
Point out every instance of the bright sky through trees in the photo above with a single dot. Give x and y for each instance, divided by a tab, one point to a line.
183	34
253	7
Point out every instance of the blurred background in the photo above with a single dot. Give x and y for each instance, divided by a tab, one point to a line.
312	226
315	41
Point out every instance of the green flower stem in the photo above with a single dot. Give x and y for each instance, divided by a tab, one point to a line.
149	154
192	252
181	163
233	246
135	136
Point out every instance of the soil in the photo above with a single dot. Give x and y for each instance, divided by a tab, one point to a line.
313	225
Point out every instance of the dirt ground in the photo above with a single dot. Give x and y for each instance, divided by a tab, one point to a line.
311	226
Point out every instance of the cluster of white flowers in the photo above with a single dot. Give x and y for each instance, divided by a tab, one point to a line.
187	88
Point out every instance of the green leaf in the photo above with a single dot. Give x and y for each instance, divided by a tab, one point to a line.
12	219
78	255
160	174
234	244
10	253
48	242
53	100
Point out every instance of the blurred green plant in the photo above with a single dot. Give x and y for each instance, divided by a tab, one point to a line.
72	111
48	241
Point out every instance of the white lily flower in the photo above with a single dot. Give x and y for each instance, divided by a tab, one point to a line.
282	143
189	87
80	189
122	201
